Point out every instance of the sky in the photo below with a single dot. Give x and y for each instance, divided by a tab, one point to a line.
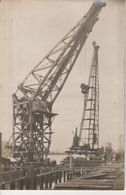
30	29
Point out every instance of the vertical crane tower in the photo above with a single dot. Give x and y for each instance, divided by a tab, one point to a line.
88	140
35	96
89	128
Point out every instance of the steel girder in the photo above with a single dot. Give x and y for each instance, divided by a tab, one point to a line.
34	98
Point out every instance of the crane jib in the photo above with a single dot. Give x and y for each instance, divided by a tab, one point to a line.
33	100
85	27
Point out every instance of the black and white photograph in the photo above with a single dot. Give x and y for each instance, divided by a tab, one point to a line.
62	95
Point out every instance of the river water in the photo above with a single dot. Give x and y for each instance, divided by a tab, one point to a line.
58	158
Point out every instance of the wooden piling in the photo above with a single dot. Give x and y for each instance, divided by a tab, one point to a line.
50	181
41	183
46	182
64	176
12	186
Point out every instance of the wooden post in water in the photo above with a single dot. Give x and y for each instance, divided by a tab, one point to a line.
56	178
21	185
17	185
7	186
3	187
38	183
67	176
60	177
50	181
64	176
46	182
12	186
41	183
70	160
32	180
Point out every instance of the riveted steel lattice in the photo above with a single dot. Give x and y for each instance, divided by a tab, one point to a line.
34	98
89	128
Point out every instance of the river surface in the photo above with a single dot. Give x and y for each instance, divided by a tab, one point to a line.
58	158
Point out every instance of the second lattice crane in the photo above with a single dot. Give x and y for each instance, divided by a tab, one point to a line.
87	142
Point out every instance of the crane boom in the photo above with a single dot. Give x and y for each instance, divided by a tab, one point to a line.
33	100
45	76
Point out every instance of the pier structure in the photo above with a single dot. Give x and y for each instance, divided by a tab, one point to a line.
36	180
101	177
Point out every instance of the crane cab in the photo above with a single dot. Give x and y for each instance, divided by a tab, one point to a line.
39	105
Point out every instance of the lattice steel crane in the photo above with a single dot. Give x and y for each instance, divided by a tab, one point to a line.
35	96
88	140
90	118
